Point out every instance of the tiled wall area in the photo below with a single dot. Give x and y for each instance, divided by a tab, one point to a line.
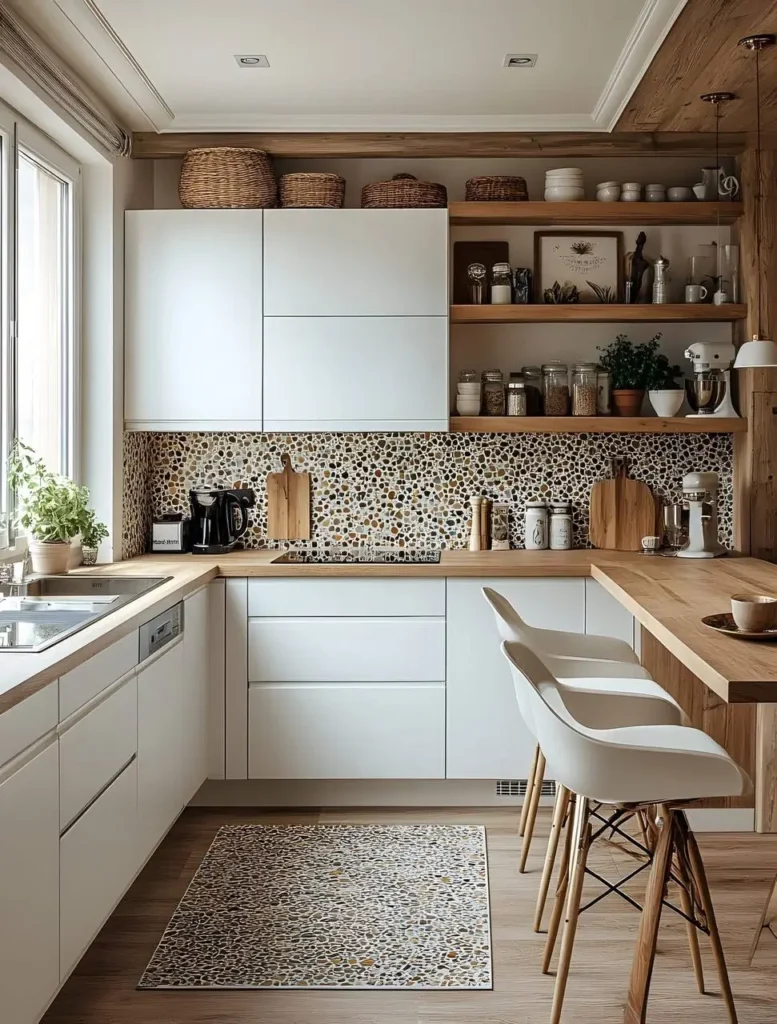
410	489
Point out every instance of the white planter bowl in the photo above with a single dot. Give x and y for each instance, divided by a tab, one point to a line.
49	559
666	403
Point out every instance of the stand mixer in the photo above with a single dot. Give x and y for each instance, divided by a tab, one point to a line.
700	494
709	390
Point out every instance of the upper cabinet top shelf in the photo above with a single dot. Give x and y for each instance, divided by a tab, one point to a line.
587	212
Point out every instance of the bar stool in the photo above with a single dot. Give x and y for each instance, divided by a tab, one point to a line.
605	688
634	768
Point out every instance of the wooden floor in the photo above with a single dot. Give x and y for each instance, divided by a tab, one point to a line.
102	990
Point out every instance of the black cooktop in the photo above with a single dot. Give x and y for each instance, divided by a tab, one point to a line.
357	556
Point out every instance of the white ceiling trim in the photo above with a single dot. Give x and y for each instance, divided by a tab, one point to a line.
384	123
650	29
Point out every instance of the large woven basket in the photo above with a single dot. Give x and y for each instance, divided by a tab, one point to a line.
312	189
403	190
227	178
494	188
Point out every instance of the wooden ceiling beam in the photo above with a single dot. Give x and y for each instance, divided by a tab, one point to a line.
396	145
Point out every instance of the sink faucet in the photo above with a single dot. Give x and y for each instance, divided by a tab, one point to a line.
15	576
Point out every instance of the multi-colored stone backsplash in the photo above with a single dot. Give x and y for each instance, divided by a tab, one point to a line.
411	489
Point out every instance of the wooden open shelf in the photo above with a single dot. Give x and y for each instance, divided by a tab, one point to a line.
602	313
596	425
594	213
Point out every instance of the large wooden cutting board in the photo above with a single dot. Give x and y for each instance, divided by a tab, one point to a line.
622	512
288	503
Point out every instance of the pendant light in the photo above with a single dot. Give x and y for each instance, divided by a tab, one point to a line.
760	352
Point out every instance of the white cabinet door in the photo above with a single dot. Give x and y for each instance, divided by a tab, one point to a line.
356	373
606	616
29	888
195	693
356	262
193	319
486	735
380	731
160	758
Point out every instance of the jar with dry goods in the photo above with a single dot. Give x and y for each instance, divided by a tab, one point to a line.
501	284
555	389
532	376
516	397
494	392
603	392
584	389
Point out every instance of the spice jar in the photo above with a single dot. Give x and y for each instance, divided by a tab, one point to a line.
501	285
555	389
561	527
584	389
516	397
536	526
494	392
532	376
603	392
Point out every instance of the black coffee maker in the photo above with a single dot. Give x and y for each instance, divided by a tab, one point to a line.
219	519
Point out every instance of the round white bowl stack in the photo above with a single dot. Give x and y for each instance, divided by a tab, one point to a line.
468	399
608	191
564	185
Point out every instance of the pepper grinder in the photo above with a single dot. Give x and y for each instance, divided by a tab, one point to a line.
661	280
474	537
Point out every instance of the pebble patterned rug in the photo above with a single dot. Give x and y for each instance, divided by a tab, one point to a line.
332	907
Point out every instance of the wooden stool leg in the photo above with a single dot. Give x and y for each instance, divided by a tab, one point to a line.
577	878
531	816
685	874
559	813
529	791
697	866
561	888
645	950
767	921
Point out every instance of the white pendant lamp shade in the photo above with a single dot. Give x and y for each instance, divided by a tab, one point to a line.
756	353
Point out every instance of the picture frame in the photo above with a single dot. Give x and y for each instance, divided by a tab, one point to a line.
582	258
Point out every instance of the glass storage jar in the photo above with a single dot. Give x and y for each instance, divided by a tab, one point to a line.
555	389
532	376
501	284
494	392
469	377
603	392
584	389
560	527
516	396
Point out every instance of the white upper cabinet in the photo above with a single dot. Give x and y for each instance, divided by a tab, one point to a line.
193	319
356	263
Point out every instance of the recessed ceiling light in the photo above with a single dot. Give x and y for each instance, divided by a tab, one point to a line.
519	60
252	60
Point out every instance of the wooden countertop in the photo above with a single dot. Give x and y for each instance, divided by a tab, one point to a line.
668	596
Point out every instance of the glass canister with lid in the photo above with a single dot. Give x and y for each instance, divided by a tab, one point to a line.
516	395
501	285
494	392
584	389
555	389
532	376
603	392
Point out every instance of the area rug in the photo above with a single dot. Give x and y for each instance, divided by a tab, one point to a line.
332	907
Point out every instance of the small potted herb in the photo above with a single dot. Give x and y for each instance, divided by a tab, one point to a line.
92	533
51	508
665	394
633	367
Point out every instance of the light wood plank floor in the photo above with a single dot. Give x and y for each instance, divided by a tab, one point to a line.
102	990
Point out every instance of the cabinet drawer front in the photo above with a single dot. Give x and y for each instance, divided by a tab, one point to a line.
27	721
343	597
346	732
97	862
95	748
86	681
367	262
346	650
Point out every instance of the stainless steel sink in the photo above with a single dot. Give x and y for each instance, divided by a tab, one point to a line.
45	609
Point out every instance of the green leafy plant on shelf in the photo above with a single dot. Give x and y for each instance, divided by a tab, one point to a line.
634	368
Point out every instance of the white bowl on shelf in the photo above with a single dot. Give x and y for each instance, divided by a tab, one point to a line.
564	172
466	406
608	194
565	194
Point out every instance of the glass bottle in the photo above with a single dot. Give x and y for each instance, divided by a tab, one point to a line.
516	397
603	392
555	389
494	392
501	285
584	389
532	376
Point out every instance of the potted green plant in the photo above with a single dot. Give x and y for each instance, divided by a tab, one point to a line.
665	394
632	367
51	508
92	533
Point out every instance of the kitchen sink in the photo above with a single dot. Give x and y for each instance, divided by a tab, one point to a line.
50	608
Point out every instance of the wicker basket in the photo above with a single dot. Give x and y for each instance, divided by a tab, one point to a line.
227	178
403	191
495	188
312	190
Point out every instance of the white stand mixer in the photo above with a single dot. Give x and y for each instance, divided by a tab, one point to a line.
709	390
700	494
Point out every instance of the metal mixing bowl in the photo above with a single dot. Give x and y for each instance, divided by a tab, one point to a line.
705	391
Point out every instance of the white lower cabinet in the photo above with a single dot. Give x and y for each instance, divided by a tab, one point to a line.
29	887
346	731
195	694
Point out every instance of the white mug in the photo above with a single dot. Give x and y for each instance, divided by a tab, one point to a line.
695	293
720	298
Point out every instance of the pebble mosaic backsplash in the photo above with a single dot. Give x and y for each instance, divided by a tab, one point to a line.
411	489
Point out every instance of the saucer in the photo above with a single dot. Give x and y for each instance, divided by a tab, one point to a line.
724	623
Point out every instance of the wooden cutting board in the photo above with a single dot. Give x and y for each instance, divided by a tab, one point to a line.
622	512
288	503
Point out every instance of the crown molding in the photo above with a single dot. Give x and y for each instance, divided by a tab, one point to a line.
651	28
382	123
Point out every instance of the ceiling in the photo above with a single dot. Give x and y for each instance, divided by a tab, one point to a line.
358	65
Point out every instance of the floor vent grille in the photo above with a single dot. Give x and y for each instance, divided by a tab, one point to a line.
518	787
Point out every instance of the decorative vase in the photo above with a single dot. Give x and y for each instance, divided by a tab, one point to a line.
667	403
49	558
90	555
628	402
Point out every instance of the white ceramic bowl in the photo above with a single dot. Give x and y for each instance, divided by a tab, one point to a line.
630	197
611	194
564	171
564	194
467	388
564	183
466	406
631	186
608	184
679	194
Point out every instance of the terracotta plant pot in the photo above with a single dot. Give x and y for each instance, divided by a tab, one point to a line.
628	403
49	557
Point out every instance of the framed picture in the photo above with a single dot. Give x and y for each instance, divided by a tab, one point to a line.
591	262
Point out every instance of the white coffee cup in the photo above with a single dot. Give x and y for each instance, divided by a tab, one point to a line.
720	298
695	293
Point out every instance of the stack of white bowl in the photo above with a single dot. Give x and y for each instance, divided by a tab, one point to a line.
468	398
564	185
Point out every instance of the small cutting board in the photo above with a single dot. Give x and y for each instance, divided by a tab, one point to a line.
288	503
622	512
